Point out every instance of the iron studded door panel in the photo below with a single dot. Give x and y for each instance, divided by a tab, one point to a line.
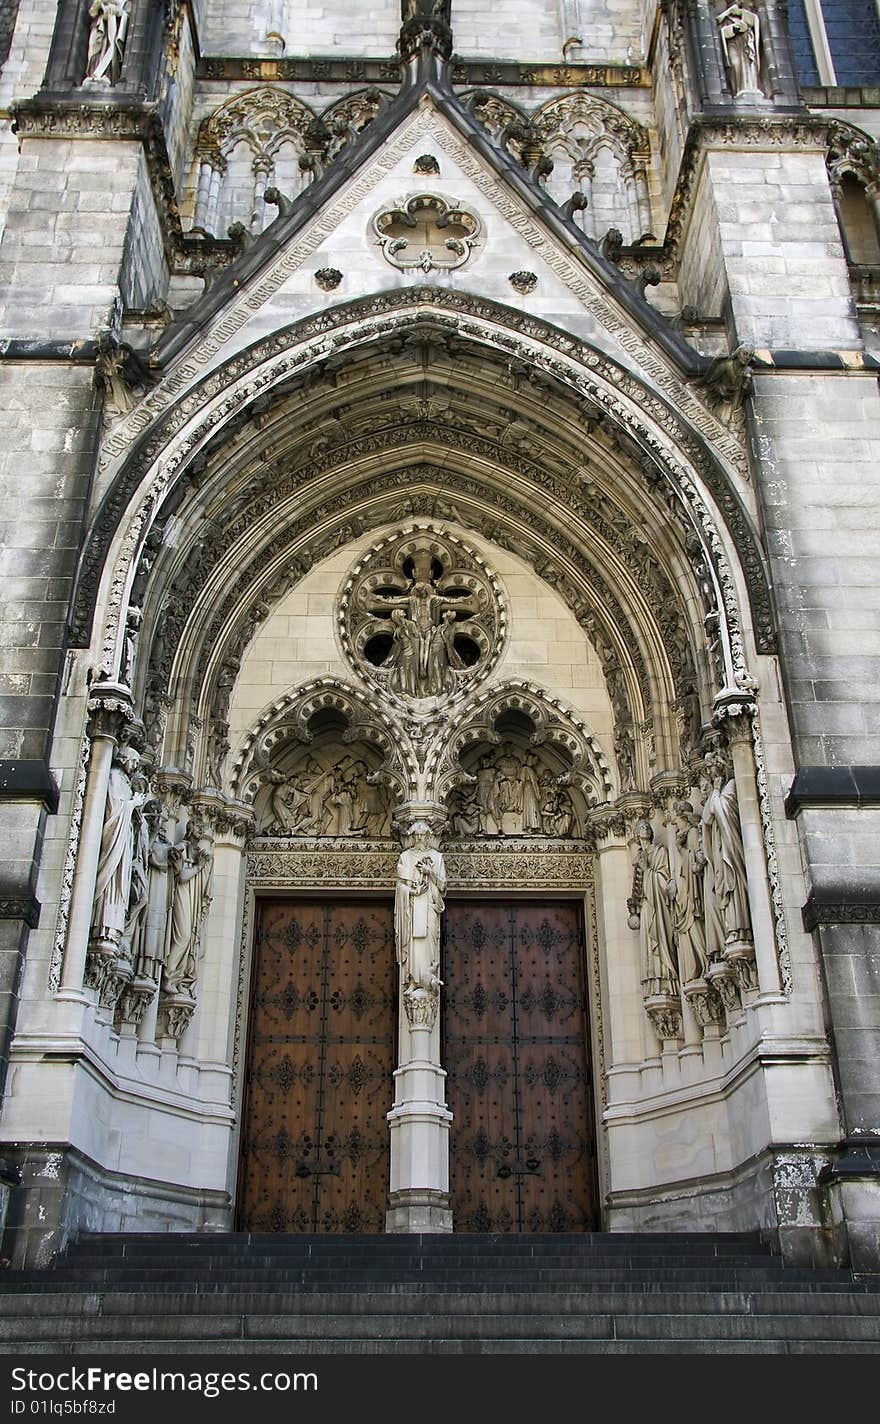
522	1139
320	1063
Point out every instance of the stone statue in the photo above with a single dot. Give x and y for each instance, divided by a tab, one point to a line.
741	42
148	943
404	655
418	906
531	796
487	798
687	906
107	35
655	890
557	813
723	848
144	822
192	865
113	882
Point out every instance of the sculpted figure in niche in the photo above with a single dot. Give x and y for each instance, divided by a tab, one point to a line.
292	798
687	906
107	35
654	918
723	849
148	943
557	812
192	865
113	882
487	798
418	907
741	42
144	824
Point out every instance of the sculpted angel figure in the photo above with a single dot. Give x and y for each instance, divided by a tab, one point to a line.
741	42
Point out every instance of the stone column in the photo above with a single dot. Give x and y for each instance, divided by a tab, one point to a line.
419	1120
109	710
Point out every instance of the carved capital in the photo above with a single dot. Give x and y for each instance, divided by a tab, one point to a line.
664	1011
134	999
175	1014
420	1005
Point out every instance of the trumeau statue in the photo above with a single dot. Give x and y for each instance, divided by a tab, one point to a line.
108	32
741	42
418	907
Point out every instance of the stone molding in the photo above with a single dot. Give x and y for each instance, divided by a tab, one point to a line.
819	911
21	907
339	69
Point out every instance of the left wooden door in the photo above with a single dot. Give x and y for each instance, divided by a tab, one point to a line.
315	1153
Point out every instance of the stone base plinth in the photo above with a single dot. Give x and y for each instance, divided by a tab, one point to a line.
416	1212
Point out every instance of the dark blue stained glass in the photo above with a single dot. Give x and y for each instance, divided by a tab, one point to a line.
804	60
853	29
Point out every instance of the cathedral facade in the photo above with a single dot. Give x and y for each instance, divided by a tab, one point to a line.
441	678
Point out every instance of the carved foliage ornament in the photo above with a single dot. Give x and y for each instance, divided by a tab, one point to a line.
422	617
427	232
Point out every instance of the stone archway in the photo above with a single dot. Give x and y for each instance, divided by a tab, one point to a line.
580	625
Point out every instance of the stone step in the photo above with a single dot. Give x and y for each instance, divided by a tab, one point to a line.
318	1276
466	1325
319	1346
424	1303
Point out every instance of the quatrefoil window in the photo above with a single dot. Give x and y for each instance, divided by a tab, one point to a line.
428	233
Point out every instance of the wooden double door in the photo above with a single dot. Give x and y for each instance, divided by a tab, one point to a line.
322	1051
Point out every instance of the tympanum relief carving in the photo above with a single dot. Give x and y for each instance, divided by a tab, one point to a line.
422	618
511	791
326	791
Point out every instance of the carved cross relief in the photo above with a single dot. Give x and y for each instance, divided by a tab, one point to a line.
421	618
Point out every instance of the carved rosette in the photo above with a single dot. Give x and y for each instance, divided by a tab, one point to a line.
427	233
422	617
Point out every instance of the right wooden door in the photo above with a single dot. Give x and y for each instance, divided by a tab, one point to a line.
522	1150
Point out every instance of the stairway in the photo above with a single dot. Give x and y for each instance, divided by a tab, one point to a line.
249	1294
